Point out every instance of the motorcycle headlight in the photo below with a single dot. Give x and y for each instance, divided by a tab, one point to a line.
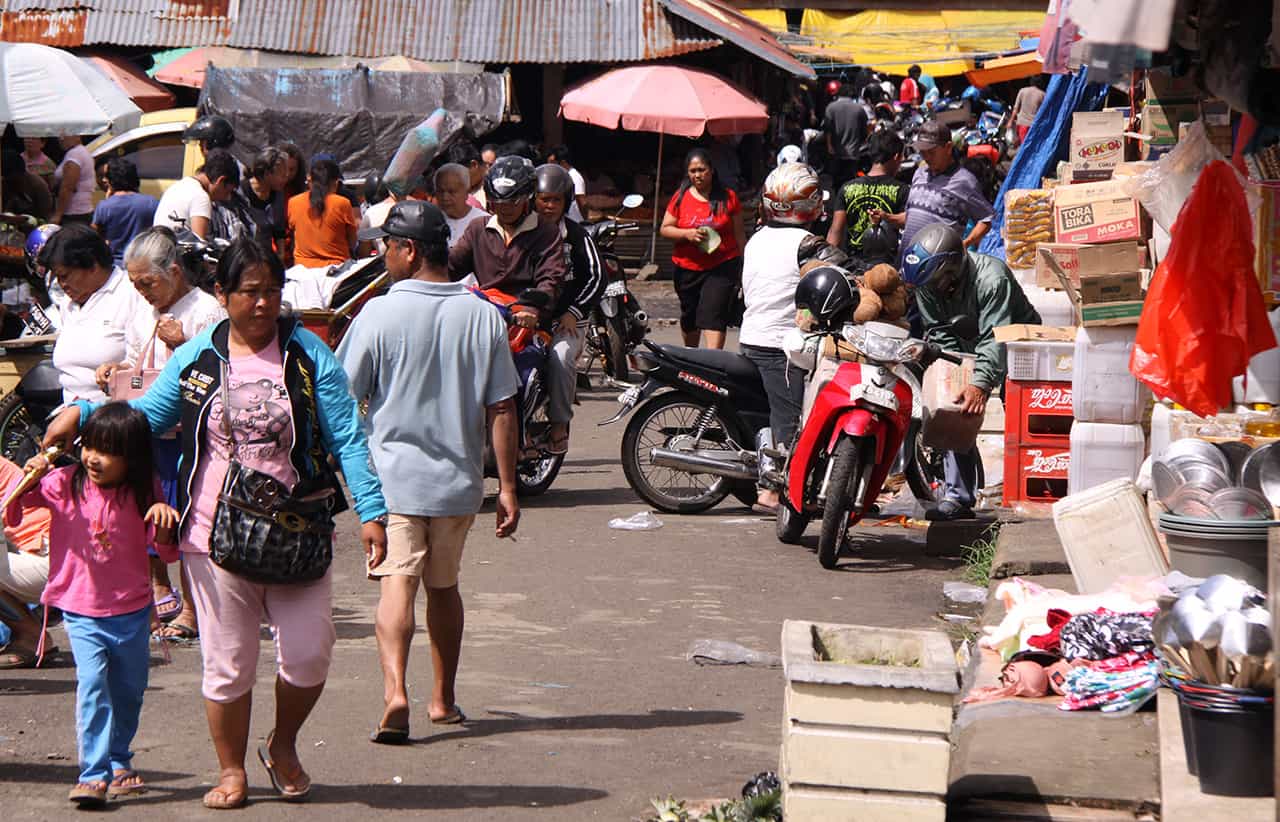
872	345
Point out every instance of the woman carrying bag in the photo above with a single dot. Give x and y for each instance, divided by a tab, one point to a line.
263	404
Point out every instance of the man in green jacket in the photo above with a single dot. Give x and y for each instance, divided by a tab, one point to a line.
949	282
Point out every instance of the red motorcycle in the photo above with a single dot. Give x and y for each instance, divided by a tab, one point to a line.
857	412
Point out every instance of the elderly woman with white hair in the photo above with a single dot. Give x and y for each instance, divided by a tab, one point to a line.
178	313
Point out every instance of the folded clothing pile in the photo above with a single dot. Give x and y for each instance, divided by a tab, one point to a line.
1111	685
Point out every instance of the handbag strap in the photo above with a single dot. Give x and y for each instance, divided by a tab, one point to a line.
149	350
226	412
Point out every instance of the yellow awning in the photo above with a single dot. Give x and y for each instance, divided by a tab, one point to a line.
773	19
943	43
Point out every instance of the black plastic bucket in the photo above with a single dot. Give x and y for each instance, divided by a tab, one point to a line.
1188	737
1234	746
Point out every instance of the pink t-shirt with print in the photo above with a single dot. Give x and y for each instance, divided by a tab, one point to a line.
262	427
97	546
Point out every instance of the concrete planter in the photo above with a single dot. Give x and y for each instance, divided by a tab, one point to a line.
867	725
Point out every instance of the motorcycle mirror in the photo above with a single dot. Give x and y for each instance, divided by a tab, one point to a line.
964	326
632	200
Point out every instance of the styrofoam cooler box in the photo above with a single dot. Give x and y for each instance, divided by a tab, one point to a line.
1102	389
1107	535
1034	361
1260	382
1054	307
1101	452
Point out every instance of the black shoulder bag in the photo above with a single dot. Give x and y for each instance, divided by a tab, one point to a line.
260	530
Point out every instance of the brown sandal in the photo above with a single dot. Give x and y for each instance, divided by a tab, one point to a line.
89	794
121	784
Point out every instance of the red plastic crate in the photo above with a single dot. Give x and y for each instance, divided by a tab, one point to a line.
1036	472
1037	413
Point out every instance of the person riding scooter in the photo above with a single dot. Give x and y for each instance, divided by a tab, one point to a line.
947	282
583	286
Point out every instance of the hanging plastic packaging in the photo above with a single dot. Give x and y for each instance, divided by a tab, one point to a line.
418	148
1204	315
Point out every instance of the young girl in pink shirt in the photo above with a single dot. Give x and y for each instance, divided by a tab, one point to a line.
105	513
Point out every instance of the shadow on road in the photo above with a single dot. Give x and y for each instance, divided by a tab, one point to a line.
27	687
452	796
47	773
884	553
512	722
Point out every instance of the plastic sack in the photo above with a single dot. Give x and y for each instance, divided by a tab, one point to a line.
1204	315
418	148
643	521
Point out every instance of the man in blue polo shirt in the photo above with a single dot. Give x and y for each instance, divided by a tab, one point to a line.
433	362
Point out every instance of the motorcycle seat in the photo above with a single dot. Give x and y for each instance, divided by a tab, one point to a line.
727	362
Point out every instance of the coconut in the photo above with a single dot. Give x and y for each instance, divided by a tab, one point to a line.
869	306
883	278
895	303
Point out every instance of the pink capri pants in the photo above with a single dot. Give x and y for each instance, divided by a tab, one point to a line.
231	610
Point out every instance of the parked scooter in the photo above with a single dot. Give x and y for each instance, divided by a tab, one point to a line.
698	415
857	413
617	323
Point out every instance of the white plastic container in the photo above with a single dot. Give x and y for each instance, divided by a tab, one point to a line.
1102	389
1161	427
1260	382
1106	535
1054	307
1037	361
1101	452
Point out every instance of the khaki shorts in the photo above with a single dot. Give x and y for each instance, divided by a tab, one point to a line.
427	547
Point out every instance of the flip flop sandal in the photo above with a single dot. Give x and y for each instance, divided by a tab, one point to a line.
287	794
89	795
454	717
168	606
226	804
387	735
117	788
558	446
12	659
177	633
767	510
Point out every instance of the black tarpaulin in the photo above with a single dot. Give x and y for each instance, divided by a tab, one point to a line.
359	116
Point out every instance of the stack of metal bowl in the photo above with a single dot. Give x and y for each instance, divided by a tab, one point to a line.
1220	499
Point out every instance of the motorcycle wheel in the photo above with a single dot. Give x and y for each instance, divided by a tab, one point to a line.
20	435
839	506
654	424
534	477
789	525
615	349
926	473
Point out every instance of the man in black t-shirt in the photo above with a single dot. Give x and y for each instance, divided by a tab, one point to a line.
845	124
879	191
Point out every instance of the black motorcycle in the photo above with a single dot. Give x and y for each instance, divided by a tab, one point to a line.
617	323
692	445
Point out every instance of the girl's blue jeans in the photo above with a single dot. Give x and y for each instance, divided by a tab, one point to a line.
112	658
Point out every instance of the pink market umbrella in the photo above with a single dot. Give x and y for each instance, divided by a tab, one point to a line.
669	100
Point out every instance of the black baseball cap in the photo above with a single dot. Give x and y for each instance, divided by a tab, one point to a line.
932	134
413	220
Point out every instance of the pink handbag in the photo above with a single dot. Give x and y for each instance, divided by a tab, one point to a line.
131	383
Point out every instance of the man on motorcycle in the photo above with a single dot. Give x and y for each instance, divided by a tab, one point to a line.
584	282
947	282
512	251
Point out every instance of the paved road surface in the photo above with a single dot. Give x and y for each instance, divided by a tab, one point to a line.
574	673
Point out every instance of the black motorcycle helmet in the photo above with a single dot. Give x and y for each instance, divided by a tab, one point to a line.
553	179
509	178
211	131
828	294
935	259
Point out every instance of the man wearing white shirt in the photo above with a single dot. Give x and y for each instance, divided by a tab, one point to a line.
578	205
188	203
451	182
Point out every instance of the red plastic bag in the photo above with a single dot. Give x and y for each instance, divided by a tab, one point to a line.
1204	315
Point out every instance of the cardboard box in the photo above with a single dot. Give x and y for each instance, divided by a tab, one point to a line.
1096	213
1160	123
1097	144
1033	333
1216	116
1080	260
1110	288
1163	88
1125	312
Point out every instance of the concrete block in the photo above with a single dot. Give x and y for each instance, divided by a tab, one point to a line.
1029	548
806	804
949	539
899	761
851	706
865	656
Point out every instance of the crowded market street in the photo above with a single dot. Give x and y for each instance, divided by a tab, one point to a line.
581	701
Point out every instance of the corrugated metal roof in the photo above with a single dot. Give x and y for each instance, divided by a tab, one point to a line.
476	31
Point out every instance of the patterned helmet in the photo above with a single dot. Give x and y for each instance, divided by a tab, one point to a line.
35	244
792	195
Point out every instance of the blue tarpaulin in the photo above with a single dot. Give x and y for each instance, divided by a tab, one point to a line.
1047	143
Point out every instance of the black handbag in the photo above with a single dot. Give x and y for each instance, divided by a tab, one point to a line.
260	531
